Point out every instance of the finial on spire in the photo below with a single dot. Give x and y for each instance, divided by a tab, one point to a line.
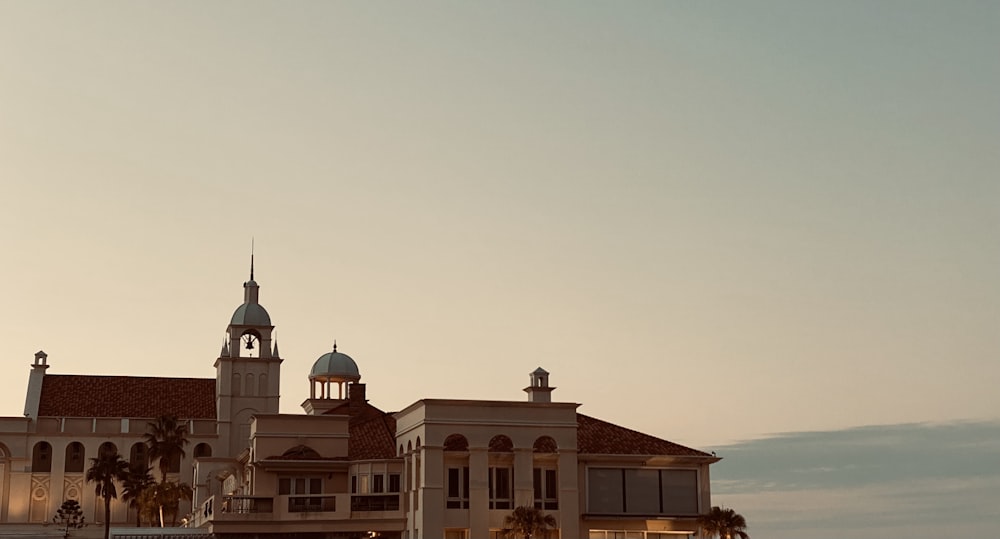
251	258
335	345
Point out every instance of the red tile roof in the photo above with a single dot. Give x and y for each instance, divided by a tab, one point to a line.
596	437
65	395
372	431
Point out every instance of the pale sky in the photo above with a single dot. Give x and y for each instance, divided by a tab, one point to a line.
709	221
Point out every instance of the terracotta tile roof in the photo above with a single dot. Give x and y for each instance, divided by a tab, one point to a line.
373	439
596	437
66	395
372	431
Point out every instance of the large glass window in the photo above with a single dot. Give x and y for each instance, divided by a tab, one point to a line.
680	491
458	488
642	491
546	488
501	491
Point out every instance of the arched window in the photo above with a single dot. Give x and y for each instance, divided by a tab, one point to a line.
74	458
202	450
137	456
107	448
250	385
236	384
501	444
262	383
545	444
41	458
302	452
456	442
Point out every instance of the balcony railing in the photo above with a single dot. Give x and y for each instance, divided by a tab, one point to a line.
386	502
312	504
247	504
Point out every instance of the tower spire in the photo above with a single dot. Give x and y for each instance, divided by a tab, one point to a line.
251	258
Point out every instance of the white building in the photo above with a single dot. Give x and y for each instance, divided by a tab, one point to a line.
344	469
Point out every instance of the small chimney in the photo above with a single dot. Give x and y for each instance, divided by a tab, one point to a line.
356	396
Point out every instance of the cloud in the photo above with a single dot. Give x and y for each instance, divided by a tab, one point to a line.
913	480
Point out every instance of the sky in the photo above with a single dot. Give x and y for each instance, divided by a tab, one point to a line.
724	225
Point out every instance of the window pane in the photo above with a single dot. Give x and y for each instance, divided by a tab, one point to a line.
642	491
680	492
604	491
453	482
537	482
551	490
315	486
378	483
394	482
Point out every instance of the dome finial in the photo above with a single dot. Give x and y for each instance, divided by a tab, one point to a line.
251	258
335	345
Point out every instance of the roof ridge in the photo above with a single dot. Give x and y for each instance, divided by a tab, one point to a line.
126	376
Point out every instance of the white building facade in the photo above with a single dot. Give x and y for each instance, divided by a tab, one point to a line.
344	469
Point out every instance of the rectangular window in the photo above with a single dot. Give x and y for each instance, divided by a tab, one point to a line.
394	482
546	489
378	483
642	491
680	491
501	493
458	488
605	491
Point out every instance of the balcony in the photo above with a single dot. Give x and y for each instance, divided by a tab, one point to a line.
230	511
378	502
312	504
247	504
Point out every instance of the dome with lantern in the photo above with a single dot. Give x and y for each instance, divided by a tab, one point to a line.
333	368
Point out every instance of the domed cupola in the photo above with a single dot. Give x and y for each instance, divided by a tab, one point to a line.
249	333
332	367
251	313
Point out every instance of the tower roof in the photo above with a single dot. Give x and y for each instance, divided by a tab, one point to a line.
335	366
251	314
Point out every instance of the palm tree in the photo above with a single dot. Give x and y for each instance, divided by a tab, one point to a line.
104	470
723	522
163	499
138	480
166	438
528	521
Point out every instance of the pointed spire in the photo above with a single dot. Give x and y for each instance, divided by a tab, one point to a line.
251	257
274	353
225	348
335	345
